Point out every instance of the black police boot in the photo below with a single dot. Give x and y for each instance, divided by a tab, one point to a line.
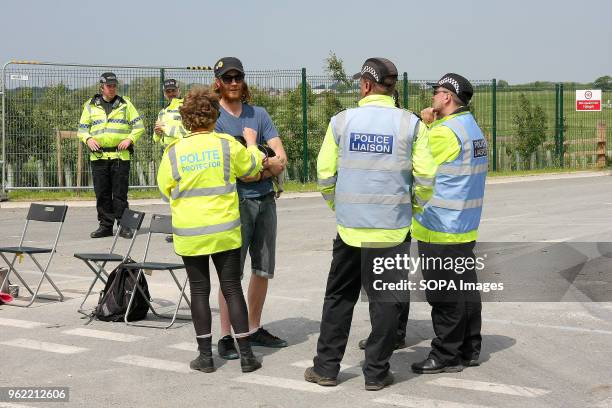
377	385
126	233
432	366
248	362
102	232
204	362
399	344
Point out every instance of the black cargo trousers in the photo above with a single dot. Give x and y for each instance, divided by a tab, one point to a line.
388	319
111	180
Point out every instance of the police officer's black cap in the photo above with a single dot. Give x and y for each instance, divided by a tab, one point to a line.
378	69
457	84
227	64
170	84
109	78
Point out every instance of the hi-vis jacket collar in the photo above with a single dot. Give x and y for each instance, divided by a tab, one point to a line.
380	100
97	100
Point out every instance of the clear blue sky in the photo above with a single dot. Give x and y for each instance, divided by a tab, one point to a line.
519	41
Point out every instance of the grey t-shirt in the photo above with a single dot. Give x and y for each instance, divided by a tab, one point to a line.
254	117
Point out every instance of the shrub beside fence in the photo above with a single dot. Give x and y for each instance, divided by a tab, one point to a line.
527	127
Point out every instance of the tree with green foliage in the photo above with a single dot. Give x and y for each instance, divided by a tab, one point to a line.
334	66
604	83
531	127
501	83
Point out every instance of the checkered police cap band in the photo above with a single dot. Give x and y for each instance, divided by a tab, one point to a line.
452	82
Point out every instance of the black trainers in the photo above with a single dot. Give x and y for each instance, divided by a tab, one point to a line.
379	385
126	233
102	232
312	376
262	337
399	344
204	362
169	238
226	348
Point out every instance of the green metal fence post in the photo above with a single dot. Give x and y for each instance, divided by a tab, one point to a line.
305	126
162	78
405	91
557	119
494	121
561	149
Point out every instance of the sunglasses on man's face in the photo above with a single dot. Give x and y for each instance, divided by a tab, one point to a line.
228	79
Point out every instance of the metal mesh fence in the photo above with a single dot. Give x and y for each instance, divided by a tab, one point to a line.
529	127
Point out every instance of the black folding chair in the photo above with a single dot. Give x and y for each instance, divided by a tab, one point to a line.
160	224
41	213
97	261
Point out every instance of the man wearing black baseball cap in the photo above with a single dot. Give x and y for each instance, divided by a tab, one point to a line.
364	174
257	201
109	126
449	192
169	124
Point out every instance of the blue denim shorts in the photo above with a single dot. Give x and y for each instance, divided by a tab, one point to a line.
258	219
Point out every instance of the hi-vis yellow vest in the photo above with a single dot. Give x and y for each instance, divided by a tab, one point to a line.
173	128
123	122
197	175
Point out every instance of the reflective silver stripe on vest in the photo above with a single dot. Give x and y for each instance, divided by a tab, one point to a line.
330	181
173	163
209	229
253	165
328	196
463	170
423	181
402	148
100	131
172	131
164	198
404	165
204	191
455	204
465	140
373	199
339	126
226	160
421	202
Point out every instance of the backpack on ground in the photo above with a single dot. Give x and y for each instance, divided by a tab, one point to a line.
116	295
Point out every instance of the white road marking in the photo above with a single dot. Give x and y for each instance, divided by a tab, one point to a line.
43	346
308	363
158	364
548	326
23	324
284	383
188	346
558	240
399	400
489	387
105	335
10	405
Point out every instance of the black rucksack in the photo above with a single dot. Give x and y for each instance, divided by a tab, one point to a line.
116	295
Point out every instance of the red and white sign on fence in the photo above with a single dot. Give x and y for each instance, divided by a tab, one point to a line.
588	100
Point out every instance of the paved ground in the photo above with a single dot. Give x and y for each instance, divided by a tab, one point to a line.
536	354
